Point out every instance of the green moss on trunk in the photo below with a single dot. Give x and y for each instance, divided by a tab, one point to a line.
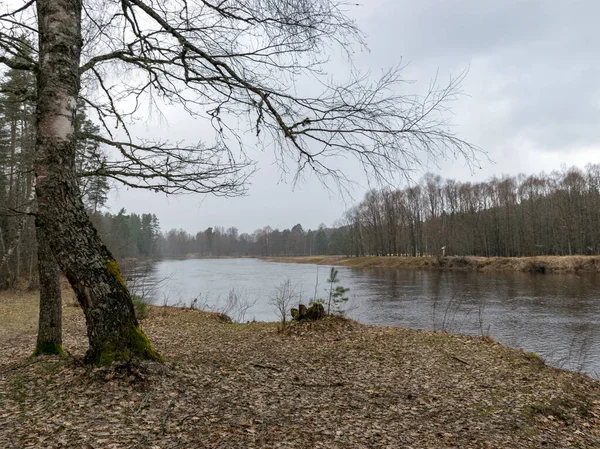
134	344
49	349
113	267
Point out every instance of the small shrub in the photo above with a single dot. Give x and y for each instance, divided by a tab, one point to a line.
284	296
237	304
321	308
336	293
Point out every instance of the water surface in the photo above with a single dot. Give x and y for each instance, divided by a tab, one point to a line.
556	316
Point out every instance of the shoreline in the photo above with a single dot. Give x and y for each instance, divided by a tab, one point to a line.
534	265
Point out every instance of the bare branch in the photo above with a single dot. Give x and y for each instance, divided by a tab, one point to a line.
173	170
235	58
260	60
16	65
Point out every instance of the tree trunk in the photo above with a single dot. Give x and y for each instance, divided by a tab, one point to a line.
49	340
112	327
11	180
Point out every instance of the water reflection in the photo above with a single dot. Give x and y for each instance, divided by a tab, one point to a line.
557	316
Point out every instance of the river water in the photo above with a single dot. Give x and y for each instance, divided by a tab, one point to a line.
556	316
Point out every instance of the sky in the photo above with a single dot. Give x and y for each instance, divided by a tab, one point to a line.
531	102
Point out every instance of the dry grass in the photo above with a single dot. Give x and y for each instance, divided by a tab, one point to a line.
542	264
336	384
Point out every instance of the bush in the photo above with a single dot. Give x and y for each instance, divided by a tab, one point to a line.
284	296
320	308
237	304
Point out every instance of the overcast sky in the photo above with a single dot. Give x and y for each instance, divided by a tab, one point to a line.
532	103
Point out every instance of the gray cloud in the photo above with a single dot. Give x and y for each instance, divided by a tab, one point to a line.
538	58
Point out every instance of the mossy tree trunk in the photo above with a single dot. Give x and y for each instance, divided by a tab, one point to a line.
112	327
49	339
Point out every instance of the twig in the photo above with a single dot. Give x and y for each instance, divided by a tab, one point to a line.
185	418
458	359
334	384
274	368
146	398
163	426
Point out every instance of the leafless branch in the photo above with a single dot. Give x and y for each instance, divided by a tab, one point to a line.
257	60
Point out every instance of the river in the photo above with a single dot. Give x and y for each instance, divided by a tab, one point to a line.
555	316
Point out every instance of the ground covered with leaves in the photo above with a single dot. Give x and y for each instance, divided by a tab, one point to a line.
333	384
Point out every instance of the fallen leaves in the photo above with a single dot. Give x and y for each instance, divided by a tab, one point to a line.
325	385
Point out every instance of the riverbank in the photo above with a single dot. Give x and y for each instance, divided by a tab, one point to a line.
335	384
541	264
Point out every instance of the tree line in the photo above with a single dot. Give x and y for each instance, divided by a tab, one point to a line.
139	236
555	213
218	241
544	214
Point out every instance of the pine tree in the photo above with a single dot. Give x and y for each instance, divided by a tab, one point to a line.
91	163
17	239
336	292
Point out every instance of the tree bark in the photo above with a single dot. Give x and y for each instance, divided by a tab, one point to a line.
112	327
11	180
49	340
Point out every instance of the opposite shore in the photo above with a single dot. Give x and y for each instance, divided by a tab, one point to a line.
537	265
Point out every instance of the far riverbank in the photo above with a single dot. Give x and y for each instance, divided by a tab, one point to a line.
539	264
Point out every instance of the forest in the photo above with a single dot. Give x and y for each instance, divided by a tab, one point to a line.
555	213
18	259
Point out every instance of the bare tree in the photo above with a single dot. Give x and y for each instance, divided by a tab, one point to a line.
220	61
285	295
544	214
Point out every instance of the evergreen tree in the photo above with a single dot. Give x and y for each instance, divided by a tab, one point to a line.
148	234
336	292
321	241
17	237
91	164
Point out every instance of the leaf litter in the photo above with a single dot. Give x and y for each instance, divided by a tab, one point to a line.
332	384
